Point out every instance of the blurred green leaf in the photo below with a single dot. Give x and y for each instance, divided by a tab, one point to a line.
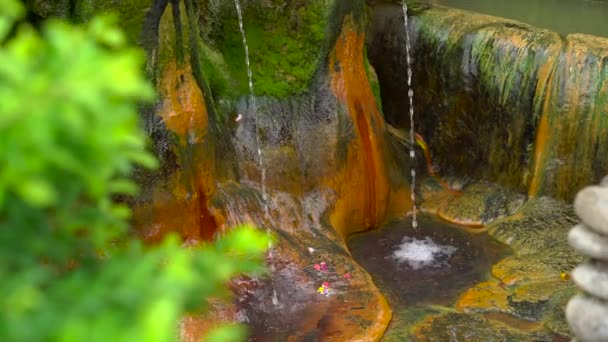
11	10
69	140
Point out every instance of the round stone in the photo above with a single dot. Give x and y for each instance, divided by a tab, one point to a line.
588	318
588	243
591	205
592	277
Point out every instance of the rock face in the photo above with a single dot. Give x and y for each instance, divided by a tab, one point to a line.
587	313
176	199
328	145
498	93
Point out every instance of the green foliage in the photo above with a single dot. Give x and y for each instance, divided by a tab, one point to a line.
69	138
284	39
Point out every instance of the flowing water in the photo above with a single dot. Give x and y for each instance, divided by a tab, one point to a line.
410	94
254	110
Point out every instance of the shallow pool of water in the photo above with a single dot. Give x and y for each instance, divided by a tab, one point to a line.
431	265
563	16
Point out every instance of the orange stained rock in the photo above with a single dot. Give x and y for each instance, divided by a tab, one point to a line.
484	296
365	194
180	203
546	74
183	106
177	206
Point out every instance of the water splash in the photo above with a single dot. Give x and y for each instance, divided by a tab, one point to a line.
410	94
253	104
423	253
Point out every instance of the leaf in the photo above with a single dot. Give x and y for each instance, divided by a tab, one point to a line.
37	192
11	11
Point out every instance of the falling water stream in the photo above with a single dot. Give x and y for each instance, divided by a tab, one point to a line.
253	106
410	93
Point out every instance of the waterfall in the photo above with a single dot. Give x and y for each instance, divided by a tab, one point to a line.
253	105
410	94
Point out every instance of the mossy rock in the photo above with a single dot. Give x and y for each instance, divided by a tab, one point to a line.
481	203
285	44
539	230
555	319
467	327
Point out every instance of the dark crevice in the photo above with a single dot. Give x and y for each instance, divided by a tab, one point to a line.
177	24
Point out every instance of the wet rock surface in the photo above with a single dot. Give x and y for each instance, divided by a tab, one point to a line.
285	305
480	204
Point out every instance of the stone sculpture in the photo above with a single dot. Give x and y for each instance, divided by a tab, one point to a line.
587	312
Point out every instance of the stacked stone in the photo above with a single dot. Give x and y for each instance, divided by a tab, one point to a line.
587	312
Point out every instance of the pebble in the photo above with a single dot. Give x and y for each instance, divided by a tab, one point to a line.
588	318
592	277
591	205
588	242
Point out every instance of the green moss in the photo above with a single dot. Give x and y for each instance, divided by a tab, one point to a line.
131	13
284	43
373	81
215	71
